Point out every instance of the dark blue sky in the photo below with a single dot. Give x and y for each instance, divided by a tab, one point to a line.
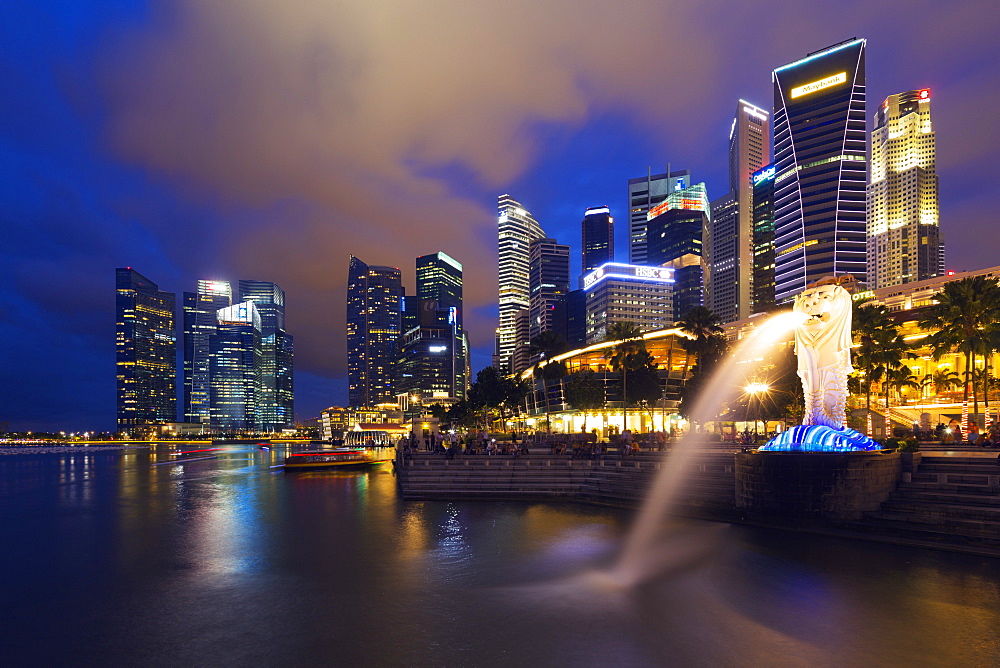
269	140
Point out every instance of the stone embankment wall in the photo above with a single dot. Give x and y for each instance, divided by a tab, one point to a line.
804	485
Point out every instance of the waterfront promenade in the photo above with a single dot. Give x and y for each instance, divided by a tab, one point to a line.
950	498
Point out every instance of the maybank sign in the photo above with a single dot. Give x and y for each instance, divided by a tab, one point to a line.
799	91
628	271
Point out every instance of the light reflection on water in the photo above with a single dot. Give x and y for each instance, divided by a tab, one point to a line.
226	561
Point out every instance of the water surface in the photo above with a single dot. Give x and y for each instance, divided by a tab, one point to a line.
110	560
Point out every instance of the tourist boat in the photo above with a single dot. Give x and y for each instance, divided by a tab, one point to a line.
338	458
191	456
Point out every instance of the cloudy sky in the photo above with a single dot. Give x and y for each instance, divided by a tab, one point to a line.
259	139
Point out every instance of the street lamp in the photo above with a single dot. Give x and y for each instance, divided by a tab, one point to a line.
756	389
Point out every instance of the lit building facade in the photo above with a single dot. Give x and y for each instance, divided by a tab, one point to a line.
904	237
235	363
729	246
200	322
517	229
598	236
762	183
675	231
374	304
668	354
145	352
548	276
644	193
722	258
638	294
434	352
276	402
820	158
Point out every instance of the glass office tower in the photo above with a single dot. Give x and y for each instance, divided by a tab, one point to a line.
235	364
598	236
277	399
644	193
200	322
549	280
145	352
374	306
676	230
763	239
820	168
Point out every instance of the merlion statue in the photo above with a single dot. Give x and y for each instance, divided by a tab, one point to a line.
823	347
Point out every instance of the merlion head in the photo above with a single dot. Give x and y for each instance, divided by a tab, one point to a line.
828	326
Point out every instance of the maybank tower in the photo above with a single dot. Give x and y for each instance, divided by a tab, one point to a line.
820	168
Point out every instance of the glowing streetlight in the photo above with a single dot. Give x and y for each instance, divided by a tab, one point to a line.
756	390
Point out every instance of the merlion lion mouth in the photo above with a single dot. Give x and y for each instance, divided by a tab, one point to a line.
817	318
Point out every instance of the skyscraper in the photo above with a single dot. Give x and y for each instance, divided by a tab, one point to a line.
676	230
763	239
904	243
637	294
439	278
517	228
235	369
549	280
434	354
200	322
598	235
729	246
820	168
276	402
145	352
723	248
374	301
644	193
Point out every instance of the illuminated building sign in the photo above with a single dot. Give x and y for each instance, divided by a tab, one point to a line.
596	211
437	349
763	175
657	210
834	80
925	94
616	270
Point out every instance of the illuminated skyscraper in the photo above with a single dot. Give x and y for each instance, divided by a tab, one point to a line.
763	239
374	304
200	322
676	230
729	246
904	243
276	403
549	280
820	168
598	233
235	362
644	193
517	228
434	350
145	352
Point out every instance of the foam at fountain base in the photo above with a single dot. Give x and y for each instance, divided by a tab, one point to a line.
820	438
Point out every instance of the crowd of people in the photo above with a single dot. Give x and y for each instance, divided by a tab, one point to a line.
988	437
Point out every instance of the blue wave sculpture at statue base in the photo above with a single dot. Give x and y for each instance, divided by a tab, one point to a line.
820	438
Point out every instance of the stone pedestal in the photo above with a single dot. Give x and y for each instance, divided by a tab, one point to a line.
818	486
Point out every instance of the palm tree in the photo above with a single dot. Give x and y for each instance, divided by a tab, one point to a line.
942	380
547	345
962	313
878	339
630	342
701	324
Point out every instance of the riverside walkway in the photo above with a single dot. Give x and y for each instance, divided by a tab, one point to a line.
950	499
